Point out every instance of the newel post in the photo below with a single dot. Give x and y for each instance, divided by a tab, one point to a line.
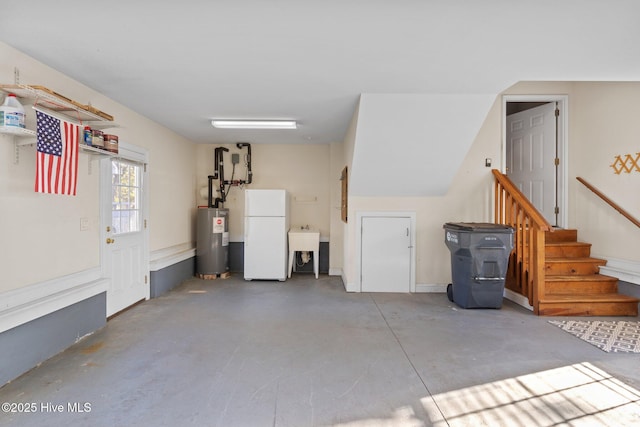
538	268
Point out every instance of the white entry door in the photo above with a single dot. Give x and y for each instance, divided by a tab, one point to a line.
386	254
531	153
124	241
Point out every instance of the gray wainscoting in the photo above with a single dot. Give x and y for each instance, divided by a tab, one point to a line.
31	343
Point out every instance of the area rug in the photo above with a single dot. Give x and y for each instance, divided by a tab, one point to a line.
607	335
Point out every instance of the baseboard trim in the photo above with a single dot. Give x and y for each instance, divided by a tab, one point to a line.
627	271
521	300
30	302
430	288
166	257
420	287
350	287
335	272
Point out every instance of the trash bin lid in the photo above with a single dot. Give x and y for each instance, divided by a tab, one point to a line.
487	227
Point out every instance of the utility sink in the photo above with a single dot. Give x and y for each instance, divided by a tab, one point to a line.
304	239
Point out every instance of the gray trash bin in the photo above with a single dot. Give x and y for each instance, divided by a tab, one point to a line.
479	259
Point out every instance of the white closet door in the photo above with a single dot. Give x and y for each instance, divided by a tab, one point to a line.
386	254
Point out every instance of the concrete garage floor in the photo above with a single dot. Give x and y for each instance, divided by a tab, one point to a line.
304	353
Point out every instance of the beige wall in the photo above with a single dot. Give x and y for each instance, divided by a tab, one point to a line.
303	170
42	238
604	124
348	232
336	244
468	199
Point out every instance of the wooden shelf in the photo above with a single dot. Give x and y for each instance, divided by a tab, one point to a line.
55	103
46	98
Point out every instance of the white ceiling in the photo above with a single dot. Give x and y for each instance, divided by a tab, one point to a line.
183	63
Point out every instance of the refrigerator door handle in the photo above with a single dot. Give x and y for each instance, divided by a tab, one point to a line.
246	232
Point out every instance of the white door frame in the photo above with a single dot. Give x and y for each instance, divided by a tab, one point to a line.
138	155
400	214
563	146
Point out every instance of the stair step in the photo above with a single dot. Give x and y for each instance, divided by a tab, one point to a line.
568	250
588	305
573	285
573	266
589	284
561	235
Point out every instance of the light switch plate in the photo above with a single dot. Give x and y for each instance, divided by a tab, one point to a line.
84	224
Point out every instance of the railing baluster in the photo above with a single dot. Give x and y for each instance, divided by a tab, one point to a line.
497	201
538	266
517	245
514	209
531	250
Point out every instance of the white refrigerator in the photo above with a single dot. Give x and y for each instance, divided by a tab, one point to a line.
266	223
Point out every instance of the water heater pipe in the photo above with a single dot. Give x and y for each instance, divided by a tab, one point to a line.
249	173
219	174
218	160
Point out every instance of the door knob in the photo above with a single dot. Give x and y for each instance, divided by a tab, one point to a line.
109	241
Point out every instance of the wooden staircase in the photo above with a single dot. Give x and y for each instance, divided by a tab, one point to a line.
550	267
573	286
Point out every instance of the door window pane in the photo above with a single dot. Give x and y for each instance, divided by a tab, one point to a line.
126	183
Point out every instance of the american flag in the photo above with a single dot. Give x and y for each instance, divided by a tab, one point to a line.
57	156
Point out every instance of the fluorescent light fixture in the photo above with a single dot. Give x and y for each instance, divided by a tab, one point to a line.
254	124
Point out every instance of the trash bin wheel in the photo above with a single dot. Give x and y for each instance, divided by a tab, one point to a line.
450	292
